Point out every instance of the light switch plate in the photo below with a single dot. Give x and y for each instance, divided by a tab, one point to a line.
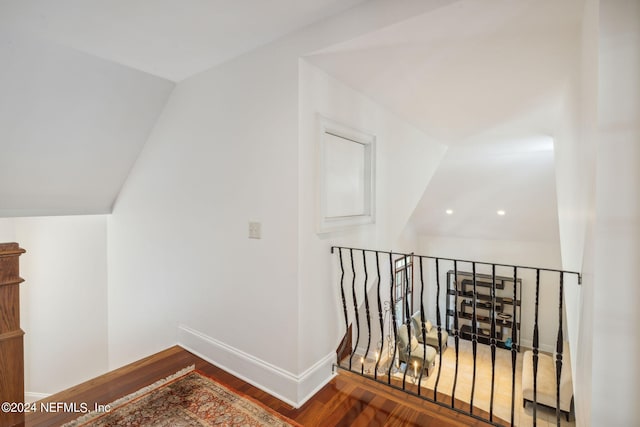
255	231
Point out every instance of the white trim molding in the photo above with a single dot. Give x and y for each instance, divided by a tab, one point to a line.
292	389
546	348
346	176
30	397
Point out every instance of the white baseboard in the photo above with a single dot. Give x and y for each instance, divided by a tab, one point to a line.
542	347
30	397
313	379
292	389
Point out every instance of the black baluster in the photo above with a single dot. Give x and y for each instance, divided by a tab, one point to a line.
493	338
355	306
535	351
439	323
408	304
407	319
380	318
456	335
393	317
559	350
423	330
366	303
514	340
474	337
344	300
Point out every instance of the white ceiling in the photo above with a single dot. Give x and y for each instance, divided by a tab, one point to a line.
465	68
87	80
71	127
488	79
476	183
82	83
167	38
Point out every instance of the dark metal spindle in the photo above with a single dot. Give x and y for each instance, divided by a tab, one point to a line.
493	338
407	304
456	335
355	307
474	336
514	340
344	300
559	349
423	329
366	303
393	317
496	335
380	318
439	323
407	318
535	351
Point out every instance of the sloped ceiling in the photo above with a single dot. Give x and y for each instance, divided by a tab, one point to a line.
82	83
488	79
167	38
71	127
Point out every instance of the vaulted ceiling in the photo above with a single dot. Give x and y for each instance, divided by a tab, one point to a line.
490	80
83	83
165	38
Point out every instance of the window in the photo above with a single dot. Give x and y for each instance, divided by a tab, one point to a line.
347	177
403	282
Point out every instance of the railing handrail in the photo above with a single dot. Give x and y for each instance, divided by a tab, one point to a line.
401	343
497	264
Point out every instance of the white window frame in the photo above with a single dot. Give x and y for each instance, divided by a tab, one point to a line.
329	129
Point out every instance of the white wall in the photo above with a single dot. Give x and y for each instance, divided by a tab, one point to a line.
409	240
615	374
406	160
7	230
63	300
224	152
575	177
583	356
601	230
224	147
534	254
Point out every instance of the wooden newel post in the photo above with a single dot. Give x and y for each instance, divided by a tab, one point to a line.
11	336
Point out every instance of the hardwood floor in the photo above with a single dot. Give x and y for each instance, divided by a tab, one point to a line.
348	400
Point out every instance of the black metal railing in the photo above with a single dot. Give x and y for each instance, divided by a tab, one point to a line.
502	335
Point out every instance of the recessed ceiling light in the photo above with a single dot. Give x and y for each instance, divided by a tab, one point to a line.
449	211
500	212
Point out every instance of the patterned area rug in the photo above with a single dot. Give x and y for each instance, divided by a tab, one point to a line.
187	398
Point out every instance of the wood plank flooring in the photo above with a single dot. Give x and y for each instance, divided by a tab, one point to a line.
348	400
